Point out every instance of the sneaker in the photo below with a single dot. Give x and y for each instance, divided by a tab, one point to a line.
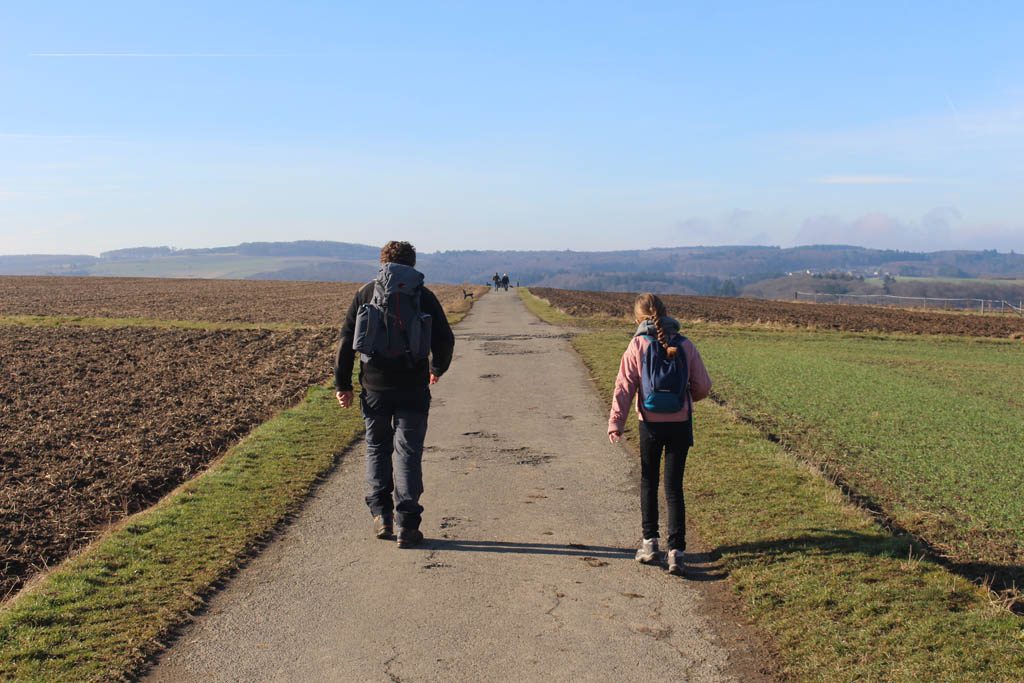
407	538
383	526
648	551
675	563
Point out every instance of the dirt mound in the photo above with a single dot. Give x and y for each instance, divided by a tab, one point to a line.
825	316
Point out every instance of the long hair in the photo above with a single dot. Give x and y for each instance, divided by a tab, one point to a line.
652	309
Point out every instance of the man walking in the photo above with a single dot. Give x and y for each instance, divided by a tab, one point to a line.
405	344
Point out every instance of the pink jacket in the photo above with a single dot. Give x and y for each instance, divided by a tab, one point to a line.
628	382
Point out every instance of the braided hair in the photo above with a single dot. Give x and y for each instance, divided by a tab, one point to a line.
650	308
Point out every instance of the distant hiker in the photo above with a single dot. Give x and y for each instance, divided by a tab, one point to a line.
405	344
504	281
664	371
497	281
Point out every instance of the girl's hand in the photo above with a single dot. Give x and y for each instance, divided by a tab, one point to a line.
614	437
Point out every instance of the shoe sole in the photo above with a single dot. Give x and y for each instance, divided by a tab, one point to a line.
648	559
410	543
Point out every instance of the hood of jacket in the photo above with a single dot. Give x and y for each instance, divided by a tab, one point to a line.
668	323
397	277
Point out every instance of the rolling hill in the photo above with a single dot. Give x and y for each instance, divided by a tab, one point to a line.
769	272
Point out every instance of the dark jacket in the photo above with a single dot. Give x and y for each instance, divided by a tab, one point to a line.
387	374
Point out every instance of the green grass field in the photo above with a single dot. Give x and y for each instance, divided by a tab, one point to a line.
841	597
928	428
951	280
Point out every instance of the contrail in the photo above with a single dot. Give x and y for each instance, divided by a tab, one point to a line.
870	180
163	55
46	136
956	112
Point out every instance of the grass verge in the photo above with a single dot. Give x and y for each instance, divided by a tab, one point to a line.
101	614
842	598
457	310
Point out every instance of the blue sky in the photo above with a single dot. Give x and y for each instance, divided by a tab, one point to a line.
581	125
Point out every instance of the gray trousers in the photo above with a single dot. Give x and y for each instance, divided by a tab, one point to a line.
396	425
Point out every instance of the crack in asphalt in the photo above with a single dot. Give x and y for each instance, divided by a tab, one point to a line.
393	677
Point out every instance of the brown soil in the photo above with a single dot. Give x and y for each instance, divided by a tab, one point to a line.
253	301
824	316
96	424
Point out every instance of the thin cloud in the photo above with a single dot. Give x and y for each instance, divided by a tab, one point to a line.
161	55
874	180
46	136
950	130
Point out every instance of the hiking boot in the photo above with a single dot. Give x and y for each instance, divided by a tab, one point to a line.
383	526
675	563
648	551
407	538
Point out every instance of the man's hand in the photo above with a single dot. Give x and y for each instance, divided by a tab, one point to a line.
344	398
614	437
434	378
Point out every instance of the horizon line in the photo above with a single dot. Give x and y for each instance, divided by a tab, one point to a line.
175	250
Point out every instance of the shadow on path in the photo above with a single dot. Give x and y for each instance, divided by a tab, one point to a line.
703	566
570	550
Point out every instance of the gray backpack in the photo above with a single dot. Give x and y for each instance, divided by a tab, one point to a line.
392	326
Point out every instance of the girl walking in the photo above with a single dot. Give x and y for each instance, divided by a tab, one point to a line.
657	356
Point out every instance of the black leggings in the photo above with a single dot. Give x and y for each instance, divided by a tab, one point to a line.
674	439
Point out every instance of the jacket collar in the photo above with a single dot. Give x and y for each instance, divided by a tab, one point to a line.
668	323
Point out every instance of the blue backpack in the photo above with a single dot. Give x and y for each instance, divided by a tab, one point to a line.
664	381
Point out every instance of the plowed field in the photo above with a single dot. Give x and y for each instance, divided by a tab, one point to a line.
252	301
821	316
99	423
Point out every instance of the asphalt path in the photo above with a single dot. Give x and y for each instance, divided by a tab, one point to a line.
532	519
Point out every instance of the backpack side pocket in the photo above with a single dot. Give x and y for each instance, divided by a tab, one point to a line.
420	336
368	325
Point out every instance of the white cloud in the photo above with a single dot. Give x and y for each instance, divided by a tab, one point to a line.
995	129
939	229
875	180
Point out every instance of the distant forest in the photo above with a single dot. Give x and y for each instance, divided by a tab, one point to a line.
770	272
